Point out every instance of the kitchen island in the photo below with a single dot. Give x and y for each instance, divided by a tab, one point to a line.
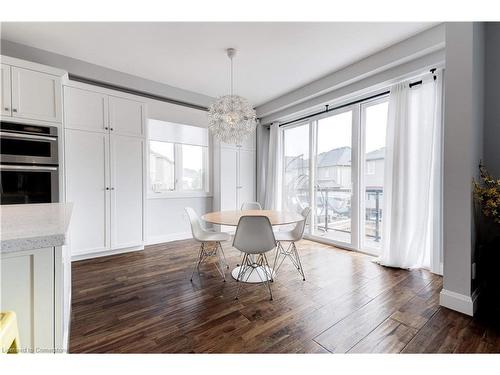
36	273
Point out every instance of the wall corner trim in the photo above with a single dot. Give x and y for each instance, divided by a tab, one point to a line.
459	302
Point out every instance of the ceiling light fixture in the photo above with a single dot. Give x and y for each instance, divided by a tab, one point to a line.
231	118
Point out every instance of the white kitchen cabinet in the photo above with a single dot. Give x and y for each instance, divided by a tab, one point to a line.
27	288
104	180
234	174
126	169
246	177
6	91
35	95
126	117
85	110
228	178
87	177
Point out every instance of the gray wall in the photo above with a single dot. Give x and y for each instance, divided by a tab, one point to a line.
463	146
492	98
102	74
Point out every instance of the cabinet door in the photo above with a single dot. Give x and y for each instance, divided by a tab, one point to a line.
127	160
85	110
86	182
229	179
36	95
246	175
5	93
126	117
27	288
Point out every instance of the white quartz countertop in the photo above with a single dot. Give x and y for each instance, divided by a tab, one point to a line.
34	226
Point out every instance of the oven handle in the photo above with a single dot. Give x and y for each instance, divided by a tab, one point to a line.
27	136
26	168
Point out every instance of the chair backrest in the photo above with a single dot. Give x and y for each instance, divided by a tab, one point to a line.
196	228
251	206
298	231
254	235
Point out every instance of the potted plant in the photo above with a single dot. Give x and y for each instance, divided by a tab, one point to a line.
487	197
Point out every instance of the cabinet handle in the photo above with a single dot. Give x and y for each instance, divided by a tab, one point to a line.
112	188
14	110
107	188
106	128
6	108
111	129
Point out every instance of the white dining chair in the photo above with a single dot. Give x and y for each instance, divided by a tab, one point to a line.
207	238
254	237
291	251
251	206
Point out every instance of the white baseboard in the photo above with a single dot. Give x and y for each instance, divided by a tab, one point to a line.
153	240
78	257
459	302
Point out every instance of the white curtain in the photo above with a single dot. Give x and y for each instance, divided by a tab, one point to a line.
412	183
273	191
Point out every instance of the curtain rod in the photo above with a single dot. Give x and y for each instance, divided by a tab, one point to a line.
134	92
328	109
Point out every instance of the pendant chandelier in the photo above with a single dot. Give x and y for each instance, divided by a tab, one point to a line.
231	118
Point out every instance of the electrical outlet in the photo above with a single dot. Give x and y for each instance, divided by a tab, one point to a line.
473	271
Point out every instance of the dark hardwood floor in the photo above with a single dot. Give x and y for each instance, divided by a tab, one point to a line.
143	302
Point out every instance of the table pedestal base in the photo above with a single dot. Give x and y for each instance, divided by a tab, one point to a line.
257	275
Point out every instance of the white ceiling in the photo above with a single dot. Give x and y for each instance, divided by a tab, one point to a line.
272	58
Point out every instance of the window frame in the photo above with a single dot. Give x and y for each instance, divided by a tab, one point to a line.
357	179
178	192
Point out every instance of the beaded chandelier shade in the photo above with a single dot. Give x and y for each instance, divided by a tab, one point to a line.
231	118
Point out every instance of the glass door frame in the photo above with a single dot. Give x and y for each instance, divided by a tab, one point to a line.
357	170
361	170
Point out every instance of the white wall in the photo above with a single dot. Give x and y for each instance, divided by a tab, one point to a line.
165	217
166	220
463	130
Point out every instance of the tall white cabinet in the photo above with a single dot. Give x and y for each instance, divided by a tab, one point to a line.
234	174
104	162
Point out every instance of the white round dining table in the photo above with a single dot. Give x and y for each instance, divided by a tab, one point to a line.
231	218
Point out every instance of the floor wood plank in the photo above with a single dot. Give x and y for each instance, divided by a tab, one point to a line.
143	302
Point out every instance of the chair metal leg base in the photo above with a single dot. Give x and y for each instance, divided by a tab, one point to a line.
290	252
249	266
204	254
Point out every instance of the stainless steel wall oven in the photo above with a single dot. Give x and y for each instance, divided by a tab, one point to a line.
29	163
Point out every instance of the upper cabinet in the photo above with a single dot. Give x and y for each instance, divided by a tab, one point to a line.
126	117
35	95
5	93
85	110
95	111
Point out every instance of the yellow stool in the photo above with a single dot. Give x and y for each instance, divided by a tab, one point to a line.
9	334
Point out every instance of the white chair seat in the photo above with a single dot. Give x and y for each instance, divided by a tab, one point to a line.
207	236
285	236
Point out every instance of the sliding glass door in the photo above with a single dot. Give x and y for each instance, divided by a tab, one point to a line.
335	164
296	160
333	177
373	129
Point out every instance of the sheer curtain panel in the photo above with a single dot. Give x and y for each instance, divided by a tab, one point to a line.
412	195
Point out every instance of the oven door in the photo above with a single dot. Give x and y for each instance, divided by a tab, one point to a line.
28	148
21	184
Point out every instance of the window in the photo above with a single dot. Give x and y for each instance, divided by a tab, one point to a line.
370	167
334	163
178	159
296	168
161	166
